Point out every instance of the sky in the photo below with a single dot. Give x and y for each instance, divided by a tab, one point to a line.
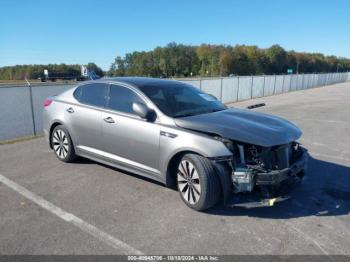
78	32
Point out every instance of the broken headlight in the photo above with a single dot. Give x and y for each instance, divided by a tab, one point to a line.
228	143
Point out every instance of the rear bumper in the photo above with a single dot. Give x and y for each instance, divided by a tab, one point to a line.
46	126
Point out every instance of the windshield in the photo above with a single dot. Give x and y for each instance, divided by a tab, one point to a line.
180	100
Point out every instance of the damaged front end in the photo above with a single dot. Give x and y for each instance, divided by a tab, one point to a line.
265	173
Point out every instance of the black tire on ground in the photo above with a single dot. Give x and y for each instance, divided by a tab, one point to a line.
210	190
62	144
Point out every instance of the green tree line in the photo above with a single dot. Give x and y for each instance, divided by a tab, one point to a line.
178	60
20	72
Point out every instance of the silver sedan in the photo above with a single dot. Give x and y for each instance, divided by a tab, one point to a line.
176	134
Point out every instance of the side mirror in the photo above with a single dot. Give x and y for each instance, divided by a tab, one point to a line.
143	111
214	97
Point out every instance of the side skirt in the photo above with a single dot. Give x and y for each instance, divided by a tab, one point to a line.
119	164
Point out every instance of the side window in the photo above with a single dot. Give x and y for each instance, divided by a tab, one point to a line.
77	93
122	98
92	94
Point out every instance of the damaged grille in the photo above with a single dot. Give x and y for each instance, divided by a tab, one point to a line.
278	158
272	158
261	166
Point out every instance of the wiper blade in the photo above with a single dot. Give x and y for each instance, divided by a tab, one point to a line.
216	110
184	115
199	113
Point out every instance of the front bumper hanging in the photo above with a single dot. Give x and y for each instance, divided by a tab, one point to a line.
283	181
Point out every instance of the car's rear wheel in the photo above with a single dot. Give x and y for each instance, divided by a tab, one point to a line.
62	144
197	182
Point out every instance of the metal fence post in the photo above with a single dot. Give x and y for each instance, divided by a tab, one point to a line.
251	87
323	82
31	105
274	85
264	87
307	81
290	83
283	83
200	83
317	79
311	80
237	87
221	90
302	81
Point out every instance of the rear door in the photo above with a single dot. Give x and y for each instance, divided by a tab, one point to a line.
133	141
85	117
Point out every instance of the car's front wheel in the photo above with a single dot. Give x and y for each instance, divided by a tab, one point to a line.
197	182
62	144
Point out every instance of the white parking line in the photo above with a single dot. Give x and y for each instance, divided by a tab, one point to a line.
70	218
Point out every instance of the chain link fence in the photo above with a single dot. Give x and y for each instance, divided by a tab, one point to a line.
21	107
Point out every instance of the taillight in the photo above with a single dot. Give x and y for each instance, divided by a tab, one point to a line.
47	102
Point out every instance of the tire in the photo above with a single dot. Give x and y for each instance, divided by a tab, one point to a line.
197	182
62	144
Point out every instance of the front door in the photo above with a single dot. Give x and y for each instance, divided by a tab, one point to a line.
132	141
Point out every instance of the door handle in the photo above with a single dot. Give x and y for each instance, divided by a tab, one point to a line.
109	120
70	110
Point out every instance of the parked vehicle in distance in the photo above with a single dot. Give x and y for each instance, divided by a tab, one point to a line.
176	134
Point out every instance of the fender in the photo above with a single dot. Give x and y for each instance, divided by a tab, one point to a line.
183	141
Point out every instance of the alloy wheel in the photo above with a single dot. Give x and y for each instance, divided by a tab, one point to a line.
188	182
60	143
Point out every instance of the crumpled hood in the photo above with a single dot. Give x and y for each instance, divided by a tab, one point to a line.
244	126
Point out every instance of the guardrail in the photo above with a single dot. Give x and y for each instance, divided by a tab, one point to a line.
21	106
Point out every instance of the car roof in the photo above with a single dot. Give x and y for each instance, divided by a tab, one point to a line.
140	81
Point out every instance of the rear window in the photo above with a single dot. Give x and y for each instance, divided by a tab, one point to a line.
92	94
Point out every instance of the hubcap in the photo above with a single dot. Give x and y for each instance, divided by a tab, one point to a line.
188	182
60	143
